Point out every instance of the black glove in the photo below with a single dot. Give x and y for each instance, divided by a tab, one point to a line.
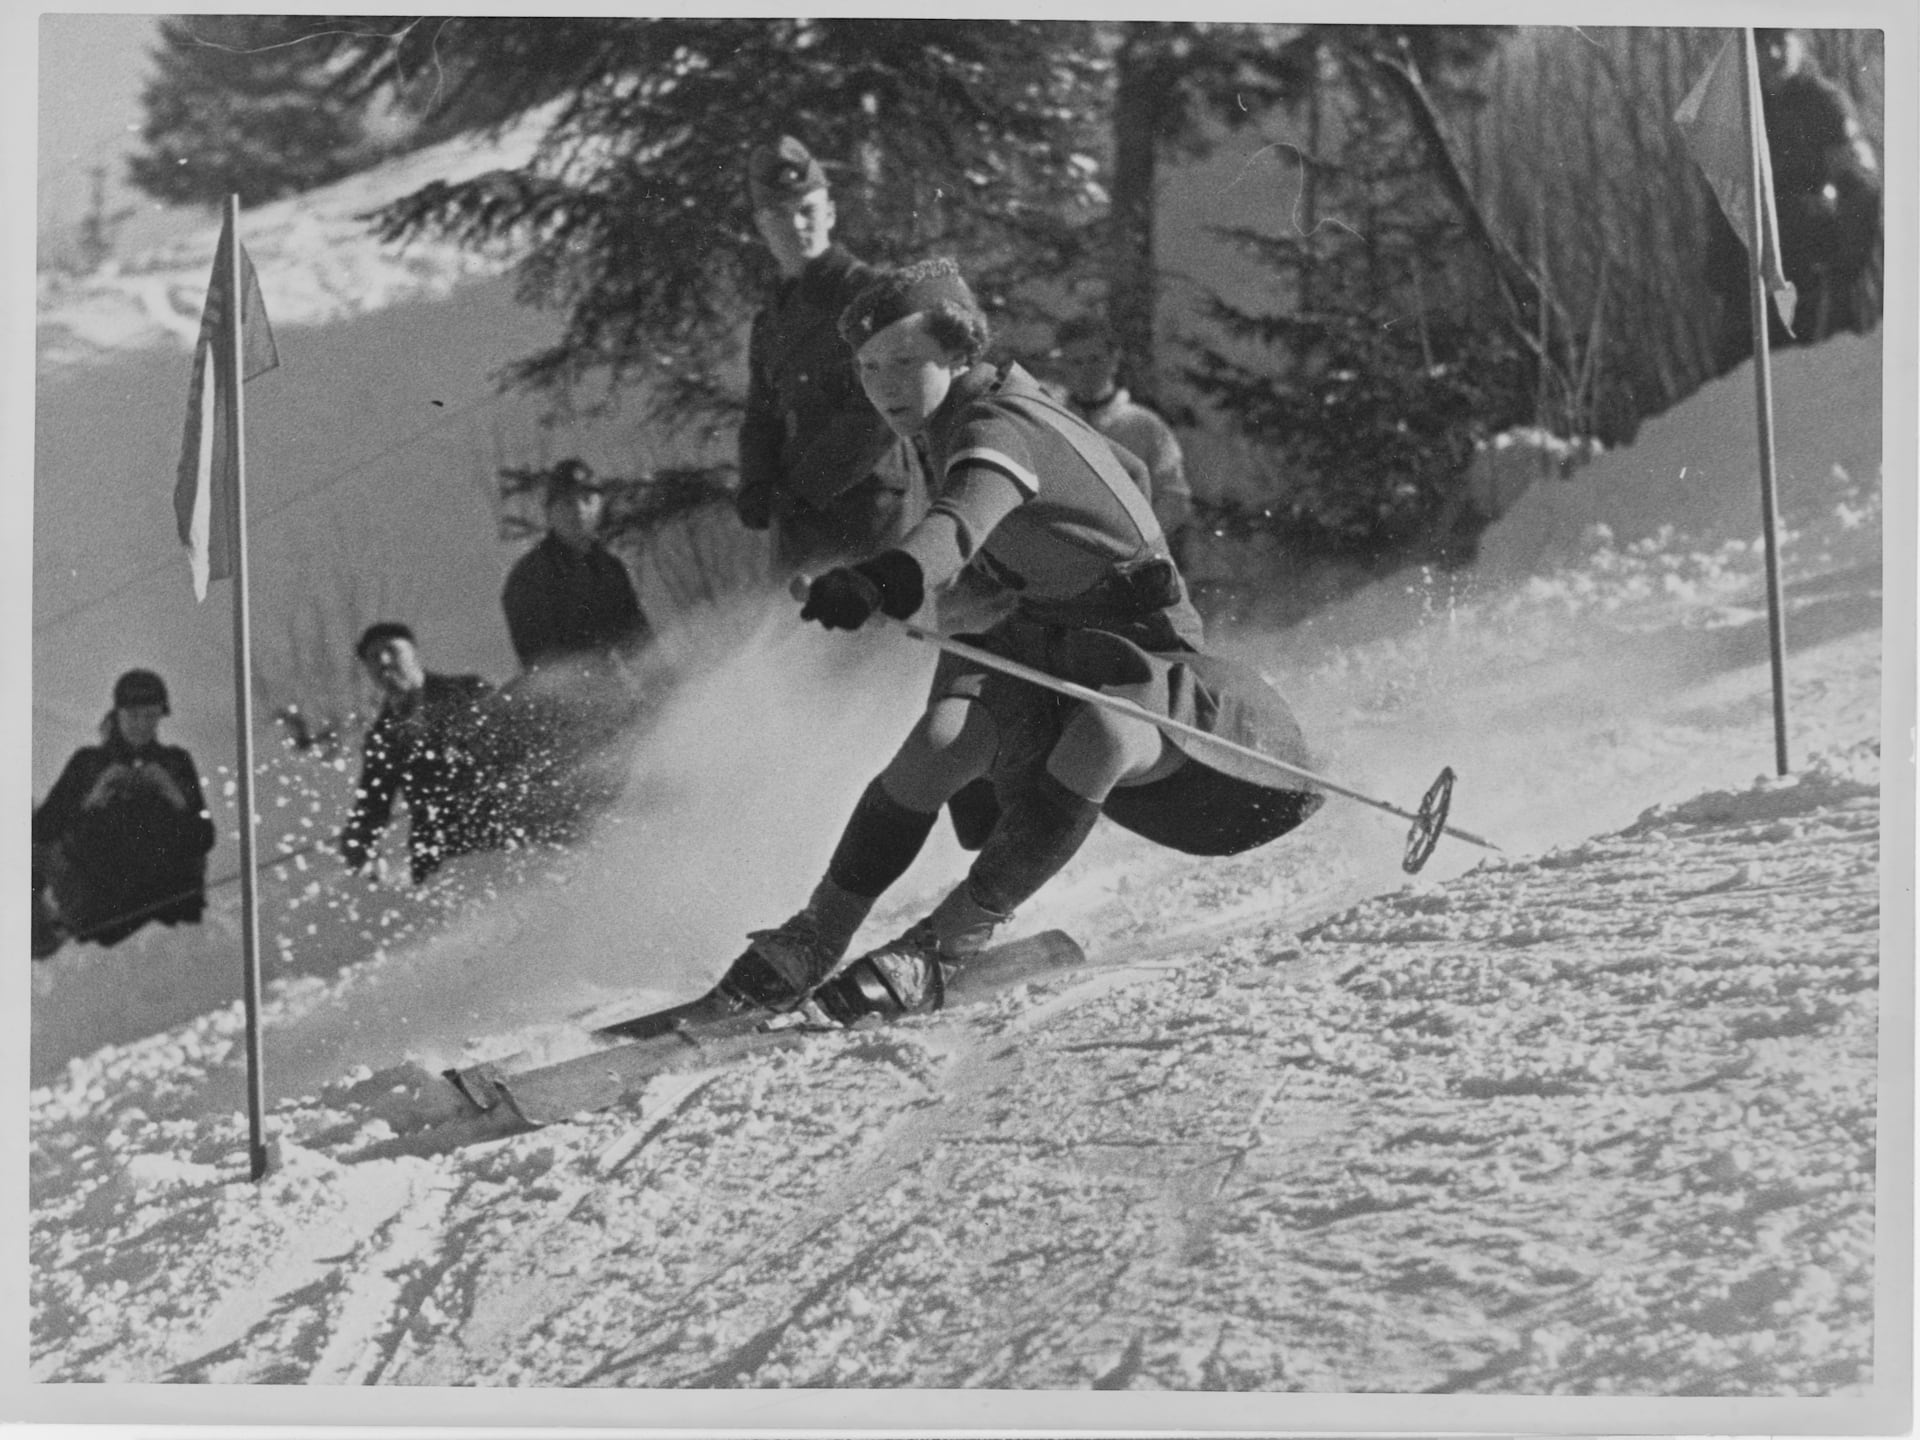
845	598
754	506
841	599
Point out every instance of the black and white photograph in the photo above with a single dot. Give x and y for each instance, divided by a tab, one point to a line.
885	722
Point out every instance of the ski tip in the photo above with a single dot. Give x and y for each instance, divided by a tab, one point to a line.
1059	947
1049	949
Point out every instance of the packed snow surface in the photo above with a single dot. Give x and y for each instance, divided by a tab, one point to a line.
1595	1116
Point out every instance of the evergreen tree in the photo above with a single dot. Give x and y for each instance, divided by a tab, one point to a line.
1402	331
242	104
1169	79
632	220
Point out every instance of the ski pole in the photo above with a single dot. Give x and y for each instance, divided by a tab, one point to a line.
1429	822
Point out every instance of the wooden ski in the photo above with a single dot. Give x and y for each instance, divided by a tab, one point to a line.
604	1078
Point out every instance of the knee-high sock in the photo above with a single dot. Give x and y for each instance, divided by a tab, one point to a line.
882	838
1036	836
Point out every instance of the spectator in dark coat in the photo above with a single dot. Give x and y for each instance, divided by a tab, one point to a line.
577	628
435	743
123	836
569	597
1826	188
1826	185
817	466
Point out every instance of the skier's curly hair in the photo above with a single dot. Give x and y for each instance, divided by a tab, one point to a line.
931	287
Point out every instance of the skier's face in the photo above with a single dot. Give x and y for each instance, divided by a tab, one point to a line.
139	724
796	231
907	374
394	665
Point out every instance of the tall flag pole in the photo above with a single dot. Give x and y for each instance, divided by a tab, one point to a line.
1726	130
1760	215
210	504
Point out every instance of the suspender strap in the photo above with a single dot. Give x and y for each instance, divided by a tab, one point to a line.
1099	456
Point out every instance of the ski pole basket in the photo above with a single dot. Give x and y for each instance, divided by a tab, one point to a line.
1429	823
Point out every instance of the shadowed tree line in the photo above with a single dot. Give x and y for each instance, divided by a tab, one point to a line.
1497	226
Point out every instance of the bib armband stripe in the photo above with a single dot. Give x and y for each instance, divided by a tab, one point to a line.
1028	482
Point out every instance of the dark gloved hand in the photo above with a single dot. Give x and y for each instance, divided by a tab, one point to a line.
845	598
841	599
754	506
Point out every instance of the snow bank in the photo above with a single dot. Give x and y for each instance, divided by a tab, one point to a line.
1696	467
312	252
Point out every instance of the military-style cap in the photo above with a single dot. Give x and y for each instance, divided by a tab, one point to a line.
140	687
570	475
782	171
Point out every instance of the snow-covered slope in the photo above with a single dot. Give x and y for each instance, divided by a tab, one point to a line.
1599	1117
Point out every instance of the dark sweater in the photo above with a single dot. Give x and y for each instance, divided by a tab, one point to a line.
562	602
437	749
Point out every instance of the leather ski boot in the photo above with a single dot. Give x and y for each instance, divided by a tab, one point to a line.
781	965
777	969
908	976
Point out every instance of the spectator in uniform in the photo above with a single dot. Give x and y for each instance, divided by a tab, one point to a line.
122	838
817	467
577	628
1088	359
569	597
434	744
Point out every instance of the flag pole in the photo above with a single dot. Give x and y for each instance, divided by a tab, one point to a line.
257	1155
1763	393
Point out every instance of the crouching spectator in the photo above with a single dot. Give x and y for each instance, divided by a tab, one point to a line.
436	744
122	838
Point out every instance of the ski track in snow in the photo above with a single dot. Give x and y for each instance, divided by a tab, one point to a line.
1442	1142
1594	1117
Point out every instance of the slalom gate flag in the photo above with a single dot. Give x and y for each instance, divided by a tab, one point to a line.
210	449
1712	118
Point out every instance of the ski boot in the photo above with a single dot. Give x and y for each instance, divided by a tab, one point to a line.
780	966
909	975
772	976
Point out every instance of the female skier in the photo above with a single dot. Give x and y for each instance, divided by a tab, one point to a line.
1026	490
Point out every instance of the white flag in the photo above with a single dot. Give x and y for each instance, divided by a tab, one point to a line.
1712	120
210	449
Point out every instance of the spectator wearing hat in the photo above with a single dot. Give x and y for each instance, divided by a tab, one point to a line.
435	743
569	597
817	466
123	836
1088	357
